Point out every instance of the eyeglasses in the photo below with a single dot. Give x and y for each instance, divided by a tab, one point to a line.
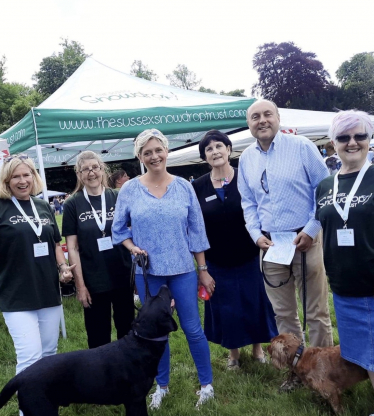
94	168
10	158
264	182
345	138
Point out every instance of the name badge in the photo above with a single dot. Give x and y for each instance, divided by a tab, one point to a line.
104	243
40	249
210	198
346	237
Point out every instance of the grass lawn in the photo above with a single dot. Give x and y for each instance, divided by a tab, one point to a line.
253	390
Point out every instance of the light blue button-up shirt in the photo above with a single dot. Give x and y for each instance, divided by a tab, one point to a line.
169	229
290	169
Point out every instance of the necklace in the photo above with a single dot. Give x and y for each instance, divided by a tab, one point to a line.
224	181
160	184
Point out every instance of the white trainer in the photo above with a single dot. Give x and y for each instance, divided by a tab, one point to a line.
205	394
157	397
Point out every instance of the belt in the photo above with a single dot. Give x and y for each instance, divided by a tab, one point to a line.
267	233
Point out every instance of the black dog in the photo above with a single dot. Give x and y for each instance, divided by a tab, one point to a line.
121	372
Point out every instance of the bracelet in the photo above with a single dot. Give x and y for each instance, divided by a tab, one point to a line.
203	267
59	266
131	249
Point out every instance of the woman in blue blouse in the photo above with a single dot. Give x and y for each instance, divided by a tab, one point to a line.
167	225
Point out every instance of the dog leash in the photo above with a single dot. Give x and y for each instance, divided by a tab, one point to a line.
303	273
142	261
303	276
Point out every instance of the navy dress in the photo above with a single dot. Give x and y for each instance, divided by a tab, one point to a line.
239	313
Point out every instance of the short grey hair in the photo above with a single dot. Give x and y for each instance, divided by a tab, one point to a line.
145	136
347	120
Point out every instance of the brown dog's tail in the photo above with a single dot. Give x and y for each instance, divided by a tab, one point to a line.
10	388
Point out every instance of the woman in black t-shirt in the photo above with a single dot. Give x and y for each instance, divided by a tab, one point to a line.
345	208
102	275
30	256
239	313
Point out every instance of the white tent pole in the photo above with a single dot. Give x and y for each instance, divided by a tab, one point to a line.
40	158
42	171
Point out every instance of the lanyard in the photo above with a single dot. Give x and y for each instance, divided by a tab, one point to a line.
37	229
345	212
100	224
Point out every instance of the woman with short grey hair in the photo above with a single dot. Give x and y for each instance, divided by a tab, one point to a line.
345	207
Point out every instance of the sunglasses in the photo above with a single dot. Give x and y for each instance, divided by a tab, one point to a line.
345	138
264	182
10	158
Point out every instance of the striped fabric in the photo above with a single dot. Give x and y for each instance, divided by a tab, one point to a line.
290	171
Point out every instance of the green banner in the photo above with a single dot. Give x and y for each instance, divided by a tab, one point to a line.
66	126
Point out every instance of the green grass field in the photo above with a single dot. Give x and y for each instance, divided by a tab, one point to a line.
253	390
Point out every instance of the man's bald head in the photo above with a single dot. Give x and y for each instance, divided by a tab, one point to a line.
263	121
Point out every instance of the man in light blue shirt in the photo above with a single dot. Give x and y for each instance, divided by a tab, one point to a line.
278	175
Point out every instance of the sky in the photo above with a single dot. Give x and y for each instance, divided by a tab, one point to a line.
215	39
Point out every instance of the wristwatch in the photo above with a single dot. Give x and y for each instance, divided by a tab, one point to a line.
202	267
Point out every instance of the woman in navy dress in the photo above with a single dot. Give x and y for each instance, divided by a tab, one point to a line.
239	313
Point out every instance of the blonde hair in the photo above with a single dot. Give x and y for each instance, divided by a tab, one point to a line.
82	157
7	171
145	136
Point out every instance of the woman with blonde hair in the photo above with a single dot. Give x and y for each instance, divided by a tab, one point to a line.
167	225
102	273
31	259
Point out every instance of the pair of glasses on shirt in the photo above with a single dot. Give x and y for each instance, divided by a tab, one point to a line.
345	138
264	182
20	157
94	168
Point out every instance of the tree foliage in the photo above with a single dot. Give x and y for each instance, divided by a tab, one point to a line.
356	77
182	77
234	93
207	90
286	74
15	102
140	70
56	69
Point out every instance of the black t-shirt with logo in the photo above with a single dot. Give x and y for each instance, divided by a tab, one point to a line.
350	269
102	270
27	282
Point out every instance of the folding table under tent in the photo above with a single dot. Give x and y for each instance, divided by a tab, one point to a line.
102	109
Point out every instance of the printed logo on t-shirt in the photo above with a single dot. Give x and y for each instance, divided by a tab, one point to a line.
342	197
16	219
88	215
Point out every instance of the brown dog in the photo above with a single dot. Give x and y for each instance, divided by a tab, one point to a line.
321	369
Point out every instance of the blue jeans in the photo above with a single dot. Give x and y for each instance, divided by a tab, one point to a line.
184	290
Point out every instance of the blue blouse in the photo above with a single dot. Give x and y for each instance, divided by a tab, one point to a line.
169	229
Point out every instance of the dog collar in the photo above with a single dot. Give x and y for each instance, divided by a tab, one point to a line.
298	354
164	338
